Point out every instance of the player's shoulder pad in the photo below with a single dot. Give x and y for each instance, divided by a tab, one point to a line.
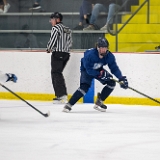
89	51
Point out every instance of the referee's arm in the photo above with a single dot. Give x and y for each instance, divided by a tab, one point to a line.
53	39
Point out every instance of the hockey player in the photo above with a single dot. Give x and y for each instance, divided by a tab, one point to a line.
92	68
5	77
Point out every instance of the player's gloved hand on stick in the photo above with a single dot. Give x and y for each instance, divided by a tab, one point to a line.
11	77
105	75
123	82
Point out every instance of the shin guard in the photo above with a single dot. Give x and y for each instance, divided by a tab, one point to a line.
107	90
80	92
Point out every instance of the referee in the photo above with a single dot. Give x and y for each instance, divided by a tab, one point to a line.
59	44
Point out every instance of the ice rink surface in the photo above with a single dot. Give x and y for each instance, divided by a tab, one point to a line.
122	133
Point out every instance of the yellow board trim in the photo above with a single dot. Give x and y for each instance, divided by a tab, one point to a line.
30	96
110	100
131	101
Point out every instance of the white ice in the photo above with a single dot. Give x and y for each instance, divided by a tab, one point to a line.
123	132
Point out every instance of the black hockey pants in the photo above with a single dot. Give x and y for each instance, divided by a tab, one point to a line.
58	63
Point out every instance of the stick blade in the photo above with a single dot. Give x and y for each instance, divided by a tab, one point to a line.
47	114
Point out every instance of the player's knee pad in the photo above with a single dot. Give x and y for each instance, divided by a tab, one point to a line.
111	84
84	87
79	93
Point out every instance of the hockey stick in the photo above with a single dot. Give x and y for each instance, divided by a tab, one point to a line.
44	114
139	92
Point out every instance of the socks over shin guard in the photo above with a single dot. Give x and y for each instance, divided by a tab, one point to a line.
106	91
80	92
76	96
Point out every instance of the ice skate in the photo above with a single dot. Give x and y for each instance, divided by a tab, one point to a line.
67	108
60	100
99	106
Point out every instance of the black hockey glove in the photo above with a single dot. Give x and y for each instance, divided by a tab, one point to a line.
105	75
47	50
123	82
11	77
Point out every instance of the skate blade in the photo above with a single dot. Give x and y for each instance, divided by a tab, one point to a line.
99	109
60	102
65	110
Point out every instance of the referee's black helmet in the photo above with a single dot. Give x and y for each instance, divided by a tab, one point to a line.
57	15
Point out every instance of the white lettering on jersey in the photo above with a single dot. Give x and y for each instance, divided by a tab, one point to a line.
97	66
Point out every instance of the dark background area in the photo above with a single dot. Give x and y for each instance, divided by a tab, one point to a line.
10	21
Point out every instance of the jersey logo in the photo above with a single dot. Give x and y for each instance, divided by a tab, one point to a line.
97	66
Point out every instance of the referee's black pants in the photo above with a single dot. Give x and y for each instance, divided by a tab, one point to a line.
58	63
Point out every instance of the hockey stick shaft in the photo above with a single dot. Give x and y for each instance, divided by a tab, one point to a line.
139	92
44	114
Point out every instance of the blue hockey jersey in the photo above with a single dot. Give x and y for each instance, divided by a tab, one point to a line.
93	64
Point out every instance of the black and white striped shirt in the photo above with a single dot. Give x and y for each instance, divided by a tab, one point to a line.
61	38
